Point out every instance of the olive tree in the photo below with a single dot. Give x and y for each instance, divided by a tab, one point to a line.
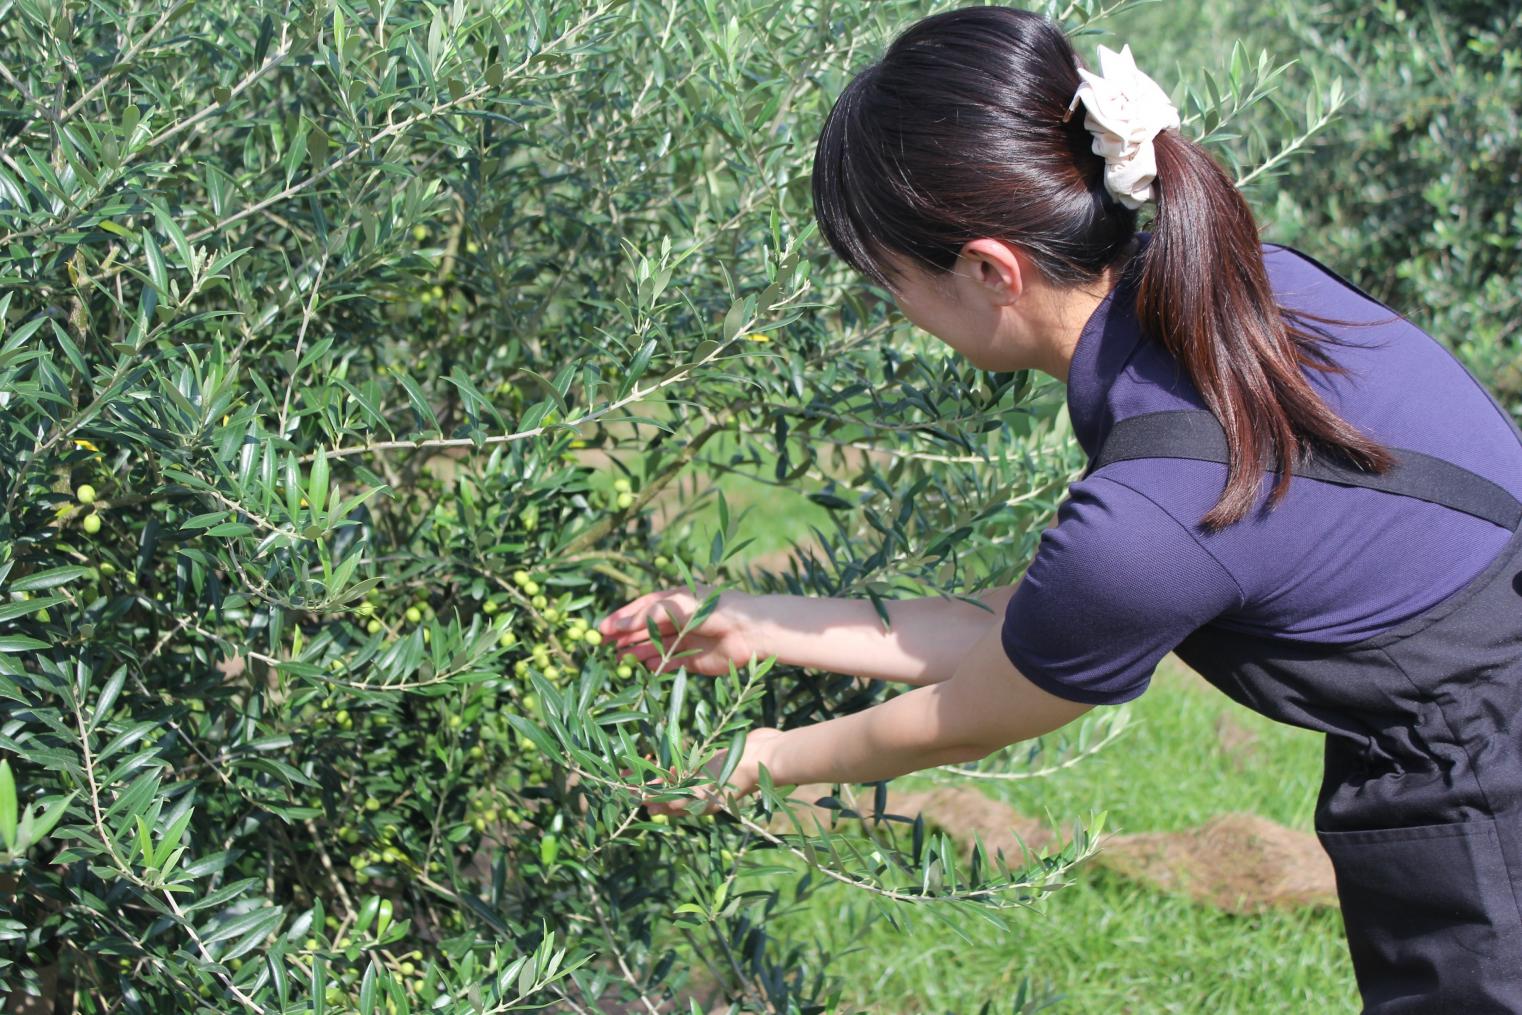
347	351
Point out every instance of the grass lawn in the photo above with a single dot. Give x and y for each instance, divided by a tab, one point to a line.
1105	944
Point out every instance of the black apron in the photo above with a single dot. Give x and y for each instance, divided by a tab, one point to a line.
1420	806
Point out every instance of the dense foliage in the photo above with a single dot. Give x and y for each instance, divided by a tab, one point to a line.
1425	212
346	354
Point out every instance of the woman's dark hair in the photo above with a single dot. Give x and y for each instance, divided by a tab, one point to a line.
958	132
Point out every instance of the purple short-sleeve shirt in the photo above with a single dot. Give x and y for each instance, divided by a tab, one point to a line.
1126	573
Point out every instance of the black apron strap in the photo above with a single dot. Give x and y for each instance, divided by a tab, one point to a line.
1196	434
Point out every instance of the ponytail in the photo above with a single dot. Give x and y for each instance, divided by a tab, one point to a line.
1205	294
965	128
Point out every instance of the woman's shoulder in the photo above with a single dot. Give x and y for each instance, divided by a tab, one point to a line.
1302	281
1401	384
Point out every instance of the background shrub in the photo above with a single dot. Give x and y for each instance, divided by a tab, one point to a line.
1424	212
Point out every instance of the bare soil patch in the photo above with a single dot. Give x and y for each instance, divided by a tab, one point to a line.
1238	863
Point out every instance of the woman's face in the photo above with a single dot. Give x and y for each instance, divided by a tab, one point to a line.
972	308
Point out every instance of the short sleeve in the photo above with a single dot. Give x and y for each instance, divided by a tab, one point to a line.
1115	585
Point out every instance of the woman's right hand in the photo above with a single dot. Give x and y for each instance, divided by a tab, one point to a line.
727	635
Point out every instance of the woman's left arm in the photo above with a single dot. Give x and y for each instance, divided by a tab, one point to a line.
986	705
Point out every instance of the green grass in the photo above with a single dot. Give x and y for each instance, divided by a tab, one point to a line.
1101	945
1170	771
1104	944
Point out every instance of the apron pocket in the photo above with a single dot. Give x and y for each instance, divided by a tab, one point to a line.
1432	922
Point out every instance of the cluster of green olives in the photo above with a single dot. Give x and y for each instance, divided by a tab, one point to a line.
623	494
415	613
485	809
85	494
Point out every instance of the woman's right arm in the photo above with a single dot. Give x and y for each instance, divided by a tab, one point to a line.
928	639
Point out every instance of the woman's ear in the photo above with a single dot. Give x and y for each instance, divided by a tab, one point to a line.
997	268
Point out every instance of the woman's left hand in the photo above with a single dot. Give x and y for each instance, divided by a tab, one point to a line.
744	780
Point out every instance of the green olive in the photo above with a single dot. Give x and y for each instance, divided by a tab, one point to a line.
85	494
414	614
91	524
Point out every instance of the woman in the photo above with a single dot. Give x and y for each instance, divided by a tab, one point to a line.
1296	490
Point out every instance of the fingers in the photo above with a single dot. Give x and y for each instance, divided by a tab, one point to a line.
669	607
678	808
641	642
624	617
675	808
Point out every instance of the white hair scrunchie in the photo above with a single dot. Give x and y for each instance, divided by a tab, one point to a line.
1125	110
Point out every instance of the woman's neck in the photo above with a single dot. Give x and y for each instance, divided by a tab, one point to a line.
1071	311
